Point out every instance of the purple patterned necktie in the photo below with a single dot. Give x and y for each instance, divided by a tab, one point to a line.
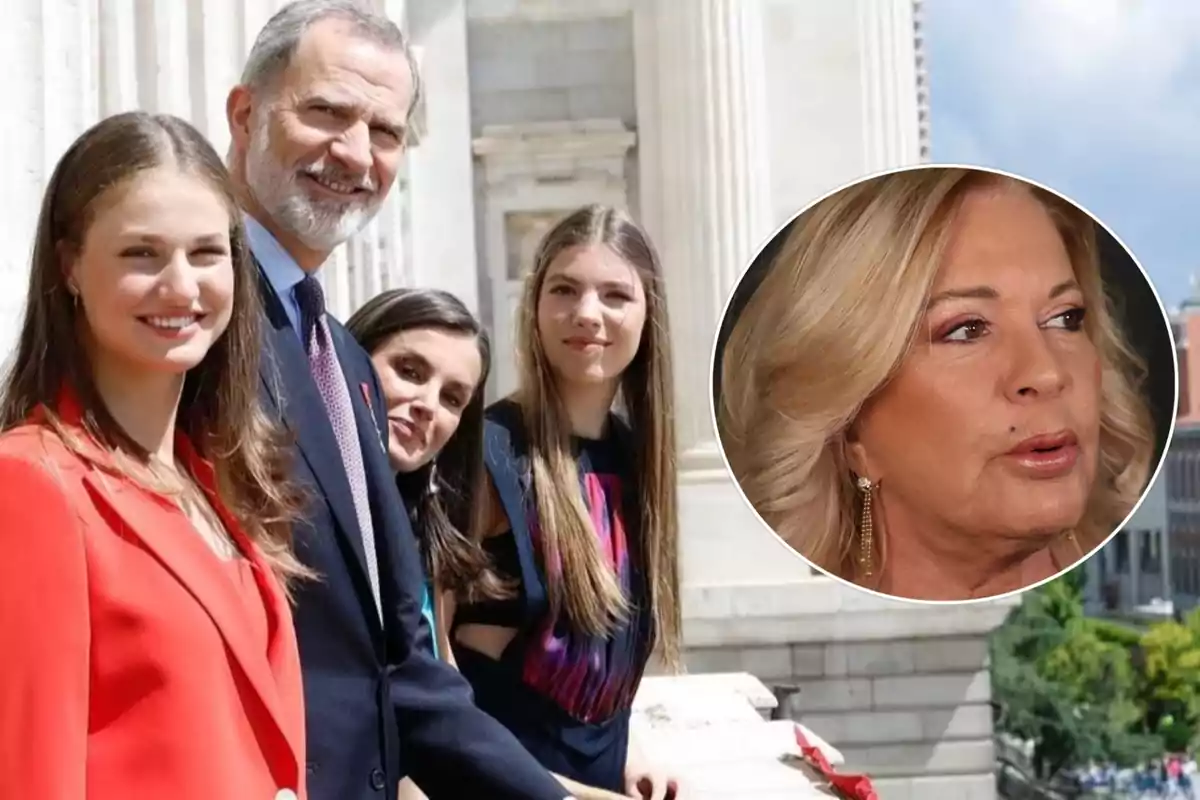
331	381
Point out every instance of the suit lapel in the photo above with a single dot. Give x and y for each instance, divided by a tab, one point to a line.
287	378
166	533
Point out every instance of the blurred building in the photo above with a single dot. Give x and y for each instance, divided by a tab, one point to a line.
713	121
1131	576
1151	567
1182	469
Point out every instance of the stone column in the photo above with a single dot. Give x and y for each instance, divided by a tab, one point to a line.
705	192
706	201
441	171
50	69
891	100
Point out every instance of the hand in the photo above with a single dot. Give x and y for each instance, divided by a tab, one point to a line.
646	783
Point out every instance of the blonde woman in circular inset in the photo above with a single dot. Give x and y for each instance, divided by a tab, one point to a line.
928	395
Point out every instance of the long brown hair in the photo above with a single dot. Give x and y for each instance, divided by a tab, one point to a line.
443	495
219	409
585	587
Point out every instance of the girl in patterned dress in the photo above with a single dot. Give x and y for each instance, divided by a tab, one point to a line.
580	511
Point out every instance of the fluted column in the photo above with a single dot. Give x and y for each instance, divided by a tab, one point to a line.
51	80
705	187
705	197
888	57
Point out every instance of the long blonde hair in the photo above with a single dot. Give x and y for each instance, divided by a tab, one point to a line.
585	586
832	322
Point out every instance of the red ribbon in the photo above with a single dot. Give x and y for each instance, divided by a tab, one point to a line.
848	787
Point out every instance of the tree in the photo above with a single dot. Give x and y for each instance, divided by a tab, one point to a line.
1170	686
1067	685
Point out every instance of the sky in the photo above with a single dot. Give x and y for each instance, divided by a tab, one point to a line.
1097	99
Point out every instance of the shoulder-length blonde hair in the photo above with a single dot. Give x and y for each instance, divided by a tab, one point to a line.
585	587
833	320
219	409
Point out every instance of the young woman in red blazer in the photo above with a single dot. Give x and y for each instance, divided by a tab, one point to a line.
147	643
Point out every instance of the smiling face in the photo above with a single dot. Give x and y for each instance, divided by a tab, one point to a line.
154	275
992	424
590	315
428	376
323	147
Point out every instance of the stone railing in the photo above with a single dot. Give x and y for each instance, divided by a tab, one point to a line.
715	733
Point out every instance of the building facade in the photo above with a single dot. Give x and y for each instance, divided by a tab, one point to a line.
1133	575
1181	473
1150	569
713	121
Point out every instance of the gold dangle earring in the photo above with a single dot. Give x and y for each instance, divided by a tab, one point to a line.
866	526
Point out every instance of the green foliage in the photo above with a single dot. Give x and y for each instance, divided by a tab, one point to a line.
1059	684
1083	689
1116	633
1170	690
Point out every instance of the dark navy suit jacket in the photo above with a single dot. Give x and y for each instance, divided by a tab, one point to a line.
378	704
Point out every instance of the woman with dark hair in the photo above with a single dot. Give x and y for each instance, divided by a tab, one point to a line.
144	509
433	358
581	511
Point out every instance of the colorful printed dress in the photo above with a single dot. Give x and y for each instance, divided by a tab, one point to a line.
565	696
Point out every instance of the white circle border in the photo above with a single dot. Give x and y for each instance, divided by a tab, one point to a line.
712	395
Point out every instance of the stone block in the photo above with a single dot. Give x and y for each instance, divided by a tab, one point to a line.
565	69
603	101
931	691
510	108
952	654
514	71
837	694
867	727
601	34
949	787
496	40
930	758
968	721
761	662
700	660
870	658
492	9
809	661
823	621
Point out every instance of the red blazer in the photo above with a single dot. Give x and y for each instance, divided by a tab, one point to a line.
128	669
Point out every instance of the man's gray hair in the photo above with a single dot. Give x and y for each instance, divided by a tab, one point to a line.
280	37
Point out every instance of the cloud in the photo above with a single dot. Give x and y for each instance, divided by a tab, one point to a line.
1097	98
1109	71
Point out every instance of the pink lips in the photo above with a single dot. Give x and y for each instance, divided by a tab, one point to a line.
581	343
408	431
1050	455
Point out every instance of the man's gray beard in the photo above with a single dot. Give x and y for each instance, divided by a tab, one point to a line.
320	225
